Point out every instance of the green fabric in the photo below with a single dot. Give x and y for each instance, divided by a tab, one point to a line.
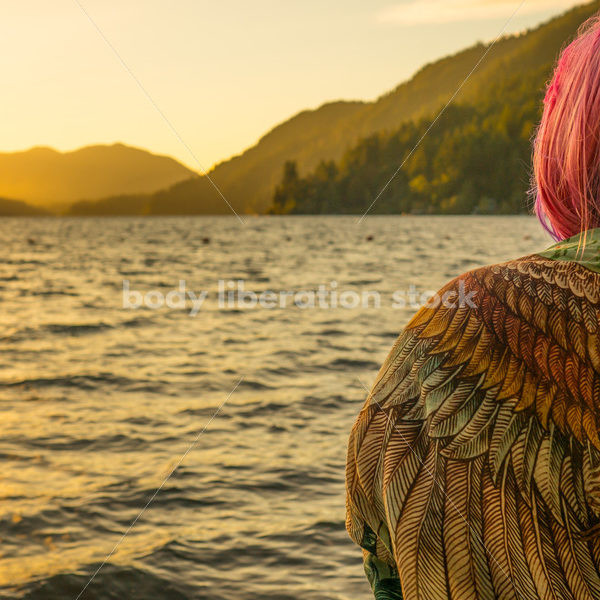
583	248
383	578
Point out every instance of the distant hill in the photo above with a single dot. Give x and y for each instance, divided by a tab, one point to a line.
45	177
16	208
249	180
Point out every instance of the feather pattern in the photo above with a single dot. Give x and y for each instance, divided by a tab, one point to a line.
473	469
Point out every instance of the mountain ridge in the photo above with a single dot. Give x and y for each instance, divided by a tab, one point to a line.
46	177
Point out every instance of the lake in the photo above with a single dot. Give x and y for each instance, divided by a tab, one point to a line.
127	342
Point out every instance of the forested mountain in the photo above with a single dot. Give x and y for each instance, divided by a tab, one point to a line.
475	158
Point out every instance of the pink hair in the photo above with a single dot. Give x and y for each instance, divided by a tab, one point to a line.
566	156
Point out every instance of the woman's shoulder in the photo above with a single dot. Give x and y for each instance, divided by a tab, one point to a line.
525	331
561	283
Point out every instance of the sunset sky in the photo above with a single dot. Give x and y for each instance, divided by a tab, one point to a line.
222	73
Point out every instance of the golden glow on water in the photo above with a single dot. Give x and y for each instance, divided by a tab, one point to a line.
56	556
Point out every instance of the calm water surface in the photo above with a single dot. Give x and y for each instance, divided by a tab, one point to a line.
98	402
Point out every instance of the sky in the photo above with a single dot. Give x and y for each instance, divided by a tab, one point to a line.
203	80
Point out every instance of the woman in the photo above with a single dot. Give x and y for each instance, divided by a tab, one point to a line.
474	466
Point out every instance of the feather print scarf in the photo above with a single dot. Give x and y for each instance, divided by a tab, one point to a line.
473	469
